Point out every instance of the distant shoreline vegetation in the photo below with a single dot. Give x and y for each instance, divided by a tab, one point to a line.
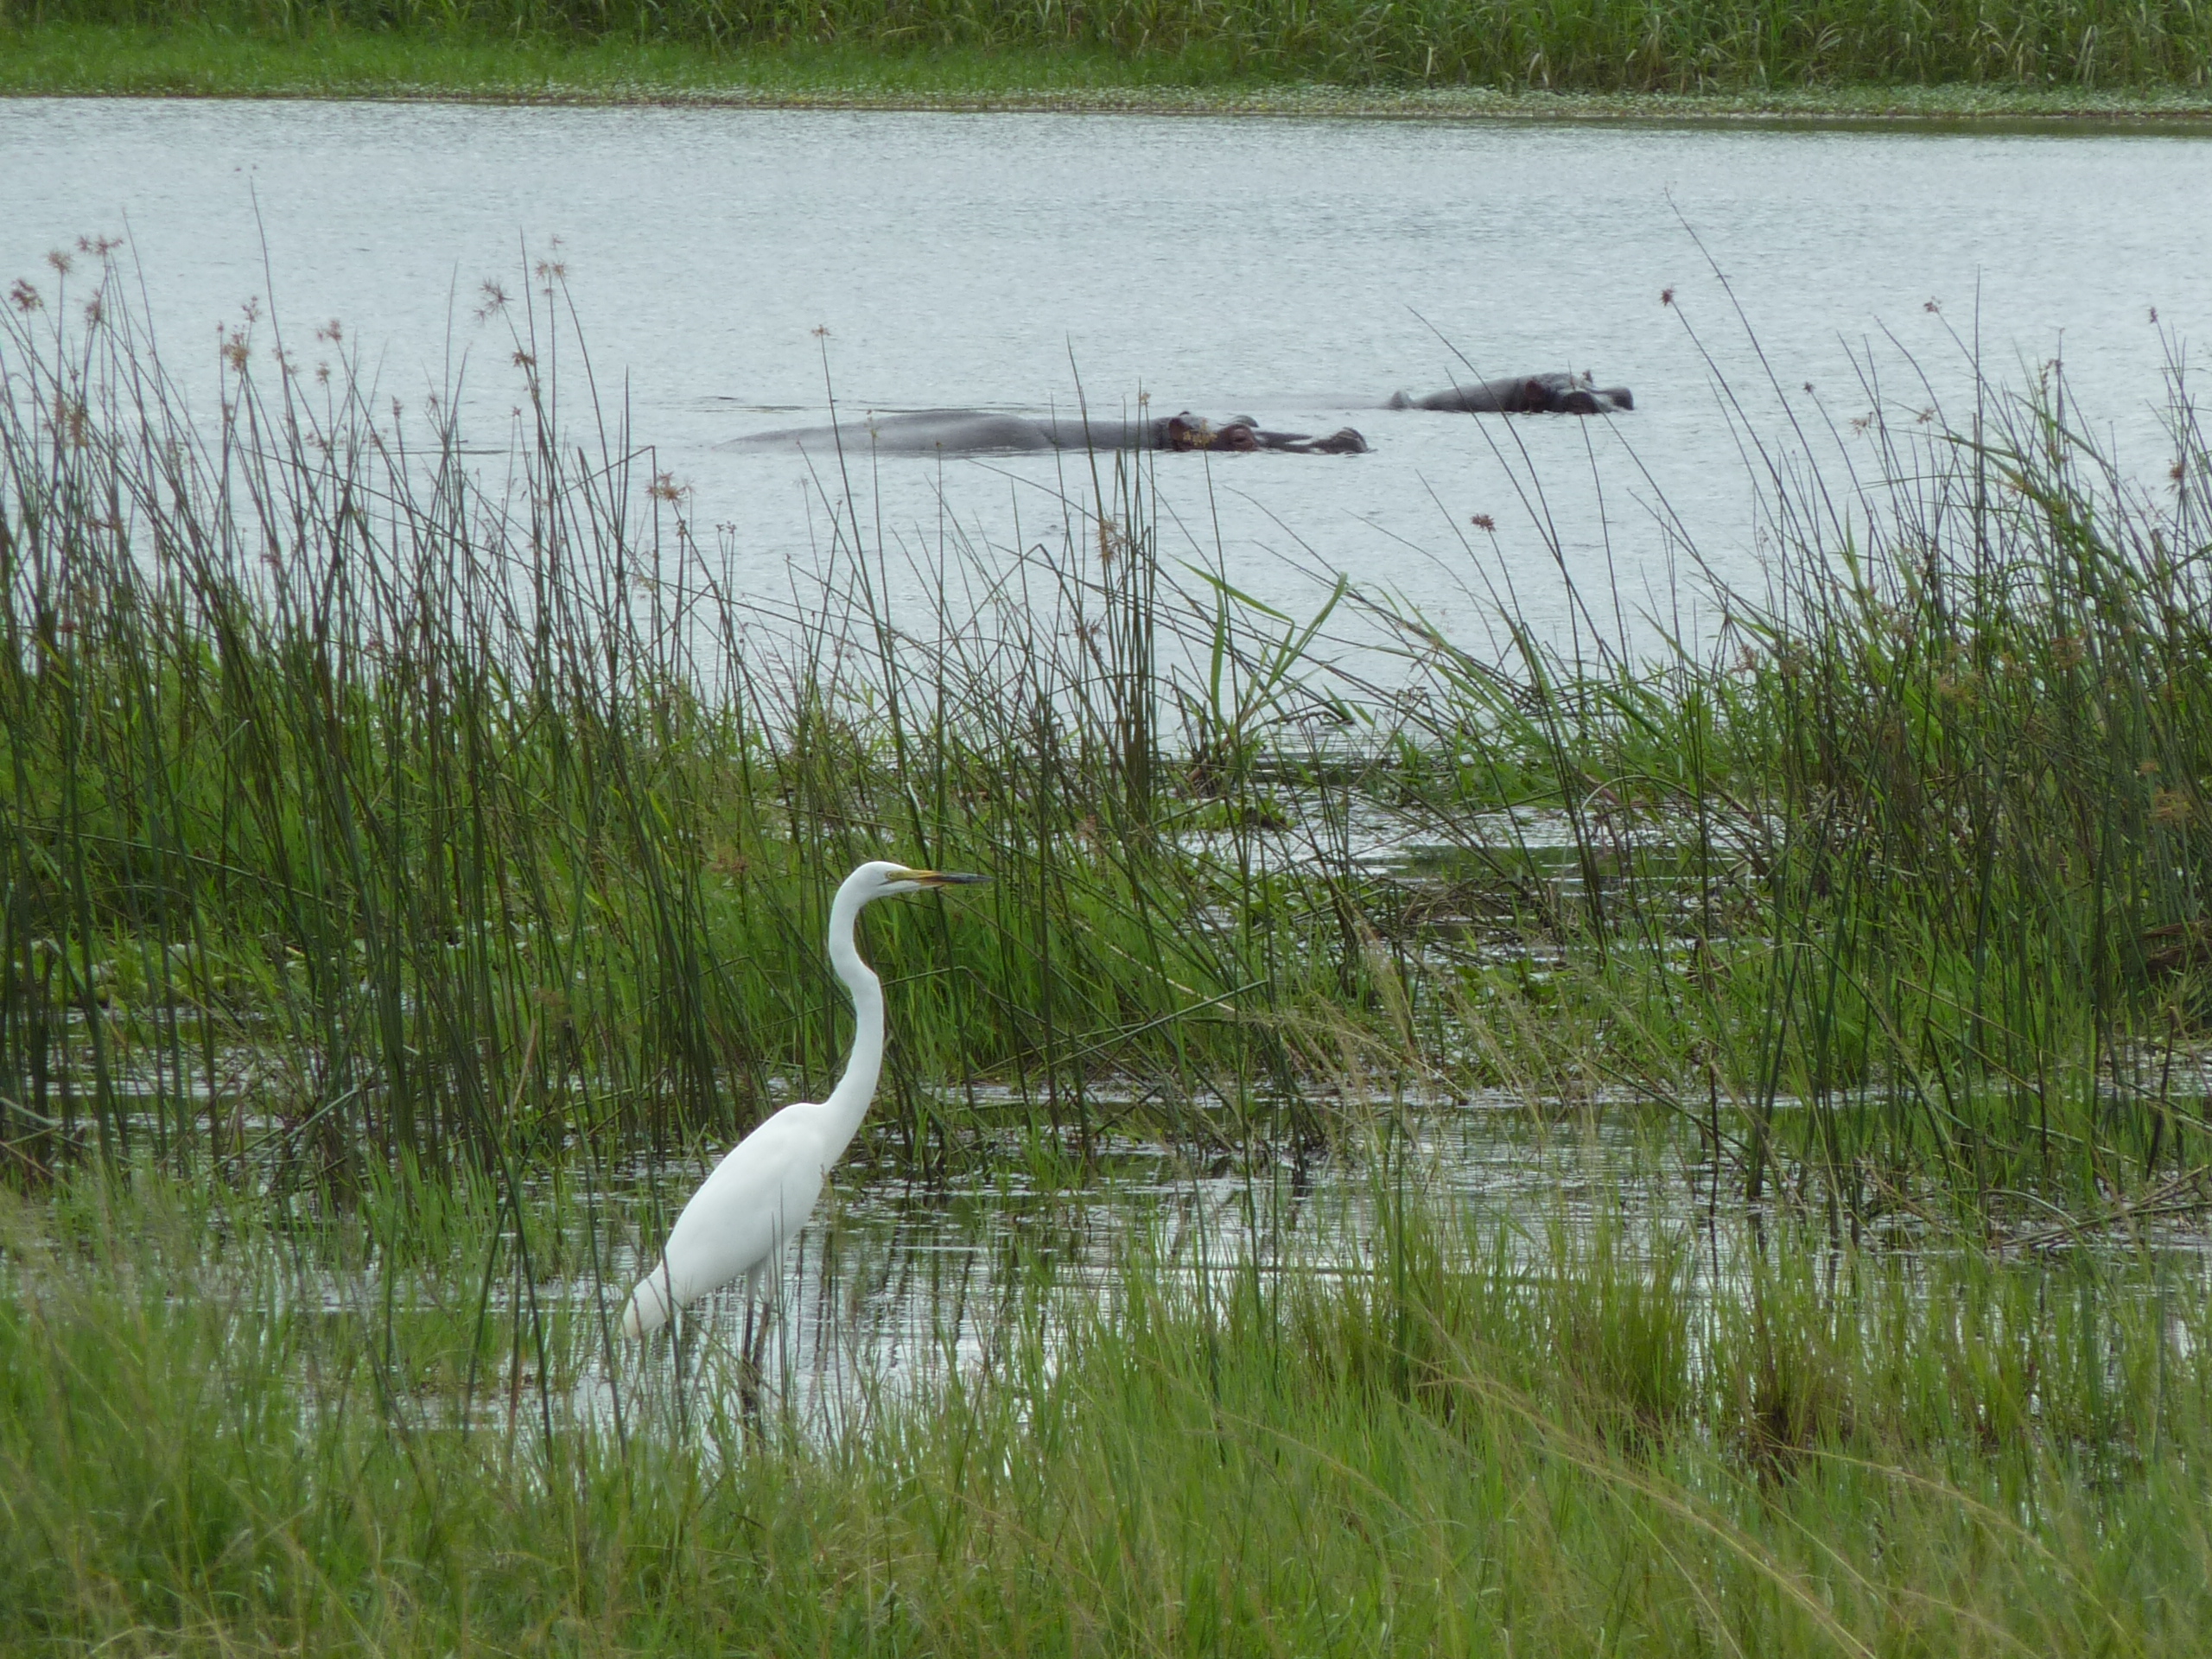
1952	59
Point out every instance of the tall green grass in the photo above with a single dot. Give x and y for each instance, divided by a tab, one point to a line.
1604	45
373	804
1918	843
363	802
1443	1433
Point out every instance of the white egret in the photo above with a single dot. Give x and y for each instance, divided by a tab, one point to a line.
759	1195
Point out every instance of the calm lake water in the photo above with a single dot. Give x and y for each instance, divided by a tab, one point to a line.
1299	271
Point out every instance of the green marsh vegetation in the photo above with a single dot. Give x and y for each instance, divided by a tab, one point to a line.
401	834
946	47
1445	1434
373	801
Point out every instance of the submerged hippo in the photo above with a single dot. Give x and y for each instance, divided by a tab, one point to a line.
987	432
1242	435
1525	394
981	432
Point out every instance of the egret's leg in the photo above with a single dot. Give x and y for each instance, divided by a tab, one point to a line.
759	1288
680	1339
749	1372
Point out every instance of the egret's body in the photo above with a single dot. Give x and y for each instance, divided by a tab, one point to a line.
761	1192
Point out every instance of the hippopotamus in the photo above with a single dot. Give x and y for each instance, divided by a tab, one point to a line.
989	432
1524	394
981	432
1242	435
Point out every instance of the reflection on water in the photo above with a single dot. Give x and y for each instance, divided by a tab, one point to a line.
897	1283
894	1280
1298	270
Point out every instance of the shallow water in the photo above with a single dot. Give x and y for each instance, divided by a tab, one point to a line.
1299	271
894	1280
899	1280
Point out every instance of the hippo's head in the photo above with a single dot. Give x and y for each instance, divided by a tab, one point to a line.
1345	440
1586	396
1580	394
1185	432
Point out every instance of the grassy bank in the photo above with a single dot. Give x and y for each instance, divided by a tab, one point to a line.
215	1437
371	805
204	61
2084	58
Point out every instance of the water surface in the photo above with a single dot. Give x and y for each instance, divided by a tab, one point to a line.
733	270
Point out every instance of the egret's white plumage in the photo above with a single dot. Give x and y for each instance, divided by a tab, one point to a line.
764	1187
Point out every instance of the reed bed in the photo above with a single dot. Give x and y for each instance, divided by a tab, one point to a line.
376	804
1447	1431
1914	851
1587	44
412	814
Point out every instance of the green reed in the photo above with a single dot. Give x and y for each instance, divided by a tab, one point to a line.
415	811
1437	1430
370	806
1918	841
1605	44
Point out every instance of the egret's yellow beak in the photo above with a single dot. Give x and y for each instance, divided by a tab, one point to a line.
946	878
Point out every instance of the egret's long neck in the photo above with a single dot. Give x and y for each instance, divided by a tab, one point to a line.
848	1101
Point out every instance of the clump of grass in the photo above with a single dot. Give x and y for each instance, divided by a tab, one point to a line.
419	816
1919	842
